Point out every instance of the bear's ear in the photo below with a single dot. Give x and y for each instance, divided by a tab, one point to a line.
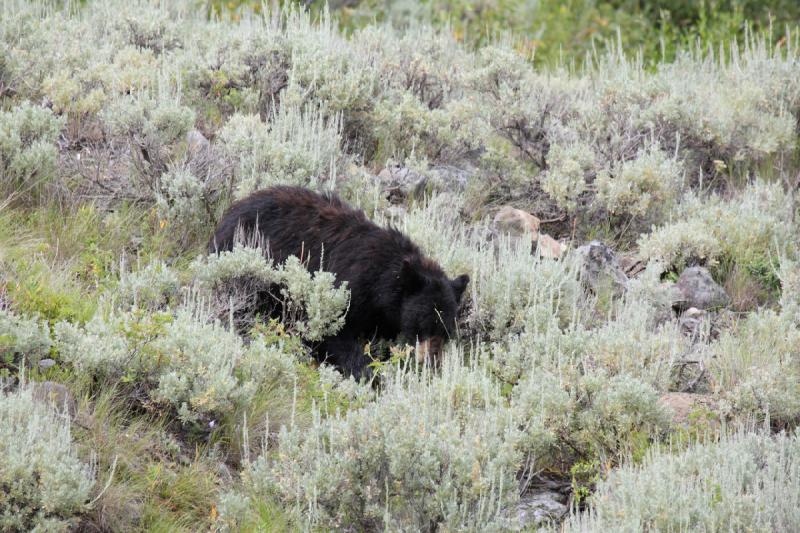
411	279
459	285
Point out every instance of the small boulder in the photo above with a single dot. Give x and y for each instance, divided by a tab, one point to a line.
44	364
450	178
548	247
201	157
516	222
399	183
600	270
196	143
539	508
56	395
696	288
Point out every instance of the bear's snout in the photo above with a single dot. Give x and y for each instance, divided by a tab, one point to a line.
429	349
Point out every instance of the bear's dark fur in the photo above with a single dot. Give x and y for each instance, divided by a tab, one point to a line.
395	291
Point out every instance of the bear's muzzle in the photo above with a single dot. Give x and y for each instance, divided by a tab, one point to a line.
430	350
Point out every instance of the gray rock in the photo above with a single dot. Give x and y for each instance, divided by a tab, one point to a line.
56	395
538	508
197	144
600	270
44	364
399	183
450	178
201	158
696	288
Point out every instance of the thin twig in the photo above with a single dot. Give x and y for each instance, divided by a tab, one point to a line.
108	483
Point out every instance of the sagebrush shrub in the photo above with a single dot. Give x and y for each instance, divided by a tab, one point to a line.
544	408
429	452
790	289
320	304
298	146
680	244
741	117
542	345
242	261
158	34
622	416
22	337
28	151
331	381
152	287
171	341
531	111
99	347
243	71
206	367
421	62
755	367
44	486
634	343
243	281
597	414
152	126
569	167
601	128
326	69
183	358
187	203
405	128
240	283
746	228
647	184
745	482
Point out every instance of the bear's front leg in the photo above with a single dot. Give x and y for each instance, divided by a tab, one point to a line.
347	354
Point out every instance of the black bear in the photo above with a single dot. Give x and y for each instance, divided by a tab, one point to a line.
395	291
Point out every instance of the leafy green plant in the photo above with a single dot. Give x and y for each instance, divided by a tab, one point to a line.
585	476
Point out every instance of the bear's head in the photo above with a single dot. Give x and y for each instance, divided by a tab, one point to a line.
429	306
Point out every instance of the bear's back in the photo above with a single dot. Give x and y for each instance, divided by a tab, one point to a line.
292	221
